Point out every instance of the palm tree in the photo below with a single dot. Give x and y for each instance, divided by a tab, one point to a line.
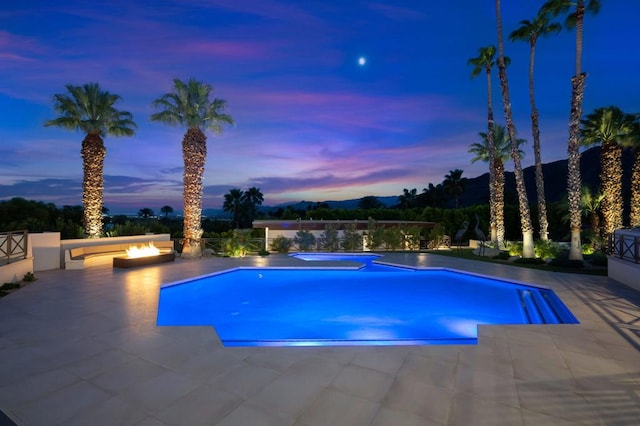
486	61
90	109
634	143
591	204
233	204
454	184
408	198
188	105
502	154
145	213
610	127
166	210
253	198
574	181
523	202
530	31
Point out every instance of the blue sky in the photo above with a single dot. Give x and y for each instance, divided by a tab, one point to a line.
311	123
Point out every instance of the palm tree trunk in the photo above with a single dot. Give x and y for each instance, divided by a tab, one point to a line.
93	153
535	129
611	179
523	202
634	217
491	147
574	181
194	152
499	196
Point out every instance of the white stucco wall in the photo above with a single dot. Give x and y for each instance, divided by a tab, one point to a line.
45	249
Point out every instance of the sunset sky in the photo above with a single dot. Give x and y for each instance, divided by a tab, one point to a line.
312	122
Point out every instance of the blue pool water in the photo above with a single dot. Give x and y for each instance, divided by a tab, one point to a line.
373	305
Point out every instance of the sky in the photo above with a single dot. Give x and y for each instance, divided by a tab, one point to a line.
312	122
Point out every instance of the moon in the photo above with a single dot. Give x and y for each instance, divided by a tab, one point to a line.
362	61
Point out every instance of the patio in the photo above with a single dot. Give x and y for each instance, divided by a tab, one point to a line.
81	347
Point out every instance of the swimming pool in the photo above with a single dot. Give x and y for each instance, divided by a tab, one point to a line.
372	305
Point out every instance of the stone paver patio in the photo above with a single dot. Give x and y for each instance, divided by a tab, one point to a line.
81	347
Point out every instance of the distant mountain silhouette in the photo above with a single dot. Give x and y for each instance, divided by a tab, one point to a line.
555	180
477	188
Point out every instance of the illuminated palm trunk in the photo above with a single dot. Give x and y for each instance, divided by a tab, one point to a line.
194	152
499	199
535	130
93	153
635	191
574	181
611	179
523	202
491	147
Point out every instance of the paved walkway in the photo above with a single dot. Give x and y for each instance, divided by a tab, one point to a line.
82	348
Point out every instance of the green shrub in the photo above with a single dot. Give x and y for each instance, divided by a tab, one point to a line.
515	249
305	240
598	259
236	244
28	277
547	249
281	244
351	238
263	252
10	286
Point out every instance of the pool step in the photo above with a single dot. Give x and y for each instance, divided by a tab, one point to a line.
543	308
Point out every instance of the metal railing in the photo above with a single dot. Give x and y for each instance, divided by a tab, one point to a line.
13	246
625	246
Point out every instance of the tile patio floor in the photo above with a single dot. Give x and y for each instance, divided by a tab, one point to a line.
81	347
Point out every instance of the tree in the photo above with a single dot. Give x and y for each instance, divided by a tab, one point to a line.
574	180
233	204
609	127
523	202
369	202
502	154
486	61
166	210
454	184
252	198
189	105
634	143
530	31
591	208
408	198
91	110
146	213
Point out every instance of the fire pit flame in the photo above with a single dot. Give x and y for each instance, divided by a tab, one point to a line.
146	250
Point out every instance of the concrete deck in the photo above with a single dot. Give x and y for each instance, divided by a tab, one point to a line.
80	347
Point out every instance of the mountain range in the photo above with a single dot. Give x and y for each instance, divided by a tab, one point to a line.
477	188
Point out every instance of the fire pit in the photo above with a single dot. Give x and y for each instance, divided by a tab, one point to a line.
142	256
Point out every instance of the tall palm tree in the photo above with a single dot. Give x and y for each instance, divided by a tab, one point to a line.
575	20
502	154
530	31
233	201
609	127
454	184
253	198
523	202
90	109
189	105
485	61
634	143
166	210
